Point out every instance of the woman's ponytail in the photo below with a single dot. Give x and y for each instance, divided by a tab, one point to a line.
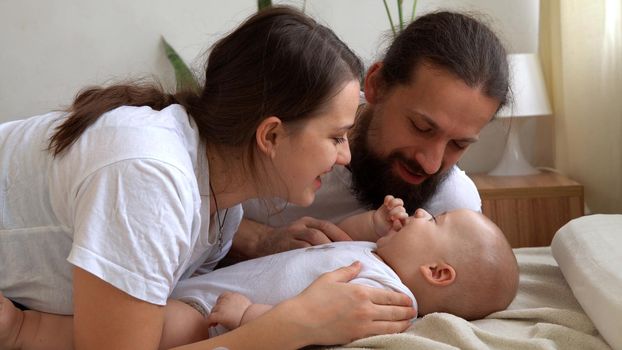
92	102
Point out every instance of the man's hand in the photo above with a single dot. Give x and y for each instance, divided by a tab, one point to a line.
254	239
304	232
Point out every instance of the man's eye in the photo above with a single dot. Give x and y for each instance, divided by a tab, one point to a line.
420	128
460	145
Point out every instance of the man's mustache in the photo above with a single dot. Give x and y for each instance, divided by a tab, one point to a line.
412	165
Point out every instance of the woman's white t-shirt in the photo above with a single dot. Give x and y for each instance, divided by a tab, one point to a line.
127	202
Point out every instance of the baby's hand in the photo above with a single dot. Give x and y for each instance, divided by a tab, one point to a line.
390	215
229	310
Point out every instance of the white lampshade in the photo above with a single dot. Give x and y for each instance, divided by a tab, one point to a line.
528	93
528	98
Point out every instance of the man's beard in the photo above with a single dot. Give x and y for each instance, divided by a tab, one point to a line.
373	177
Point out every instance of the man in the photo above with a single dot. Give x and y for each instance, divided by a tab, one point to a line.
441	81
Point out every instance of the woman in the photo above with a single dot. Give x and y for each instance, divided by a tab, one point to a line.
134	189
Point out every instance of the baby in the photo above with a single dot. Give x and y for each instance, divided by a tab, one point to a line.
457	262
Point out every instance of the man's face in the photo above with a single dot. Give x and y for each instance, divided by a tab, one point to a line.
415	134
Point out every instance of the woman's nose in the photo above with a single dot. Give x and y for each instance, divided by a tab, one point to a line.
343	153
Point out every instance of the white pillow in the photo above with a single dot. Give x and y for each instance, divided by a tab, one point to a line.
589	253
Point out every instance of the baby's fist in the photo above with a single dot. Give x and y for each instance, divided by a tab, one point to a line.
395	208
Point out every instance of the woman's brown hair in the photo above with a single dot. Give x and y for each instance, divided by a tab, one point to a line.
278	62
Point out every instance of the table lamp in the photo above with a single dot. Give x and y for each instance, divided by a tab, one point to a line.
528	98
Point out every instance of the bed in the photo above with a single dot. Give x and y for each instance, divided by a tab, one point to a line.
570	297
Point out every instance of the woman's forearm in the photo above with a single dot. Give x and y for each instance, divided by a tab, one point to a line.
254	311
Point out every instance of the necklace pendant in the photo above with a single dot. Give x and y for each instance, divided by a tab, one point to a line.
220	241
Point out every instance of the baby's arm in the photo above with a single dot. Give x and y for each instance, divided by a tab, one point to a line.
233	310
373	224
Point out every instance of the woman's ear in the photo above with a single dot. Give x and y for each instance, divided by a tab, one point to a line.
438	274
373	83
268	134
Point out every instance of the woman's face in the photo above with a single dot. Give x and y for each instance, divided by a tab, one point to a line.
310	152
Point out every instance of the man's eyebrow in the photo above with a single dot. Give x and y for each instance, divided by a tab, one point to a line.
426	118
468	139
433	125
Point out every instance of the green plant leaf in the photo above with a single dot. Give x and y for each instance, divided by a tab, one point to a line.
401	24
262	4
386	7
400	15
412	15
183	75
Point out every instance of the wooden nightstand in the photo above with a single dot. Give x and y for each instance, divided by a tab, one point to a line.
530	209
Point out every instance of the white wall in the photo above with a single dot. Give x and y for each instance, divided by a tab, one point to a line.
50	49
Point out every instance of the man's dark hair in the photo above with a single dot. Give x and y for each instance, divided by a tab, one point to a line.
453	41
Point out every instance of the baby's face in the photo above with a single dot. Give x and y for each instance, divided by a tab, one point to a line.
424	238
423	229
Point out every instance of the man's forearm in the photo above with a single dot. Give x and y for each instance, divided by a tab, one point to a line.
247	240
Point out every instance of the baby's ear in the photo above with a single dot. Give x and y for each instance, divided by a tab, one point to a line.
438	274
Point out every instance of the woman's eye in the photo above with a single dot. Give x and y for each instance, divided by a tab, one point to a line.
339	140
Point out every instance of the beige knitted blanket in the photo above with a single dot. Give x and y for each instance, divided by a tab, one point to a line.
544	315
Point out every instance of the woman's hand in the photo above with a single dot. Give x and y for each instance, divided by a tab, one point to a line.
332	311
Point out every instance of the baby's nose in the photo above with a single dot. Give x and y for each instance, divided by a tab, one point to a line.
422	214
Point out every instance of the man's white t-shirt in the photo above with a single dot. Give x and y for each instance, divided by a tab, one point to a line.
334	201
127	202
